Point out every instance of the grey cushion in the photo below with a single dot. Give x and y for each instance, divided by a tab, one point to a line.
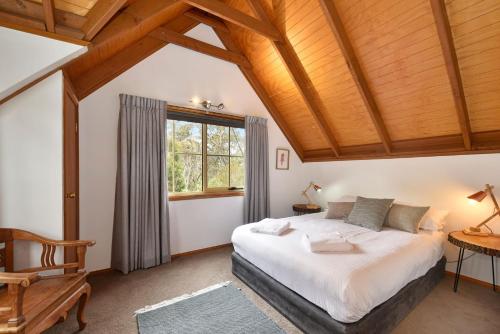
369	212
339	210
405	217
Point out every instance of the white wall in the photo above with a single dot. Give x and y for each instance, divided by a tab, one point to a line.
441	182
31	152
26	57
176	75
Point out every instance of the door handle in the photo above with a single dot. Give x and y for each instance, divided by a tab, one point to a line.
71	195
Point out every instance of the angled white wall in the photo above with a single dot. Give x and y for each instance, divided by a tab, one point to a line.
31	164
26	57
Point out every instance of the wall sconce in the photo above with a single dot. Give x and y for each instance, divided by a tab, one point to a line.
207	104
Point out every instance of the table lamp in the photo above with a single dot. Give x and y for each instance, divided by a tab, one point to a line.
478	197
310	204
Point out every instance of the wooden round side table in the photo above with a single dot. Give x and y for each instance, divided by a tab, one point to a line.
302	209
483	245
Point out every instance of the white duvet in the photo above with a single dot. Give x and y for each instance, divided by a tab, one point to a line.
346	285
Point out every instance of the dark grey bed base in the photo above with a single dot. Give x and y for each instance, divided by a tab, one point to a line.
312	319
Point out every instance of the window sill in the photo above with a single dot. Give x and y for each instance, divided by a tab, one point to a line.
190	196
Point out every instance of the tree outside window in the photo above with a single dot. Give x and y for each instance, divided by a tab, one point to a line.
204	157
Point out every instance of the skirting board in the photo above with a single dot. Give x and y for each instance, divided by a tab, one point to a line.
312	319
174	257
471	280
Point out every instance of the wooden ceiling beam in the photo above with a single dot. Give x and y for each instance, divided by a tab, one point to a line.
125	29
48	10
453	69
207	19
37	27
35	10
173	37
301	79
232	15
338	30
225	36
99	15
99	75
484	142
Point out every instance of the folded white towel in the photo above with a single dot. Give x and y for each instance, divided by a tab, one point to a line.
325	243
271	226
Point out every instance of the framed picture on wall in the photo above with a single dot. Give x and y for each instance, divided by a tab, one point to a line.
282	158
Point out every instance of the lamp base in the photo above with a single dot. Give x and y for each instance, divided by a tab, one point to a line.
312	206
473	231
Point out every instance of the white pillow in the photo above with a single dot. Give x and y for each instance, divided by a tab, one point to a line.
433	220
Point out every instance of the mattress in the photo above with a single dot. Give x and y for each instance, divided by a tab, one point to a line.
346	285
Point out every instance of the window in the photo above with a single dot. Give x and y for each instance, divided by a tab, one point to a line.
204	154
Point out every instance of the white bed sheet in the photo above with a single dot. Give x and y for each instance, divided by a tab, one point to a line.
347	285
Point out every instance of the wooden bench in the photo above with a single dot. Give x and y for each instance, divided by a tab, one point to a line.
31	303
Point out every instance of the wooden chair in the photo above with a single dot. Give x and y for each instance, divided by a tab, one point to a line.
32	303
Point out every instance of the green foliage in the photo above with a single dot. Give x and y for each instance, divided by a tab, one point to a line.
225	156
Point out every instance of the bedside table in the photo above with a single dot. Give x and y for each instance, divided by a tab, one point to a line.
483	245
302	209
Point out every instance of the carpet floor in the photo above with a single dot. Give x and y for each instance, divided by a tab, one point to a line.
474	309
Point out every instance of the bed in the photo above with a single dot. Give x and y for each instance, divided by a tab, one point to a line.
372	287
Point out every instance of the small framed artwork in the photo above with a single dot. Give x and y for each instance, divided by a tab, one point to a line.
282	158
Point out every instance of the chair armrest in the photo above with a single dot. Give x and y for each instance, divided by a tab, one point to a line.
22	279
25	235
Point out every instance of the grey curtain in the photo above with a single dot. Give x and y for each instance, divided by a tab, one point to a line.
141	221
257	205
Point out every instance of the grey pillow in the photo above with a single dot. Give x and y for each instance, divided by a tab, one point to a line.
369	212
405	217
339	210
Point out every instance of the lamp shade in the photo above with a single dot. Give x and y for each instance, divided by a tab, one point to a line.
479	196
317	187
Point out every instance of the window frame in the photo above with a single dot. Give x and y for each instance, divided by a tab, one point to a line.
219	117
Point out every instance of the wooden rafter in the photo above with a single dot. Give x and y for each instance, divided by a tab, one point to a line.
99	15
35	10
96	77
207	19
132	24
259	89
48	9
173	37
337	28
37	27
301	79
453	69
232	15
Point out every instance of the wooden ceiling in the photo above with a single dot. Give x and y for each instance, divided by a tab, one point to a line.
343	79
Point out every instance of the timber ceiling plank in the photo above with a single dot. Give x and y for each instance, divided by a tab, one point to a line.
104	72
450	56
301	79
99	15
398	48
345	45
234	16
476	30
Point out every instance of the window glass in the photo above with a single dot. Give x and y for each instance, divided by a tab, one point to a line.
204	157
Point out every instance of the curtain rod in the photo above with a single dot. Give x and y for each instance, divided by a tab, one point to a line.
174	107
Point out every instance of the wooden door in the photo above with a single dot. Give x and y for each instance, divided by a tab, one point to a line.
71	174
